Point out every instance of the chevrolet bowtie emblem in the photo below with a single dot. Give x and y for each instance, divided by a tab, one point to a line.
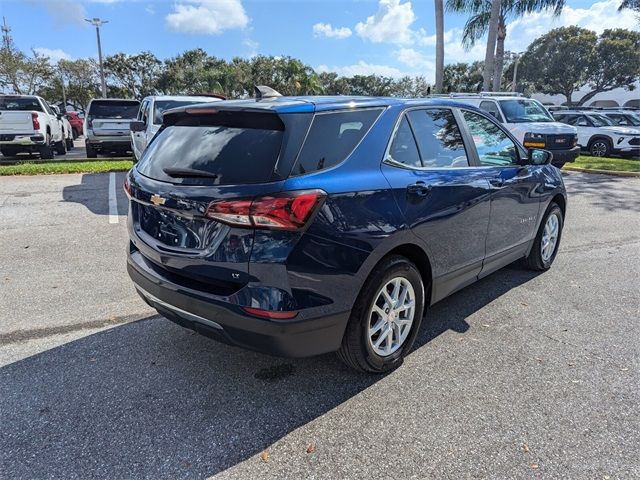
157	199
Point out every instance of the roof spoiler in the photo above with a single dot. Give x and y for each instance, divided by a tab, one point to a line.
262	91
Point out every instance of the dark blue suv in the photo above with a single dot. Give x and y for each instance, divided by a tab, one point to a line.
303	225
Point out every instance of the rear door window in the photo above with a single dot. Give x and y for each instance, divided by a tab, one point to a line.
403	148
114	109
439	138
237	148
332	137
492	108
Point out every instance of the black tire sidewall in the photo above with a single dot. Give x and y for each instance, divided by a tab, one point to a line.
398	267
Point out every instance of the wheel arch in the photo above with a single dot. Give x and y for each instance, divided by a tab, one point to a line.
561	201
419	257
597	137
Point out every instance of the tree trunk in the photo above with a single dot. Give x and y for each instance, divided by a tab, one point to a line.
491	44
568	95
439	45
499	58
591	94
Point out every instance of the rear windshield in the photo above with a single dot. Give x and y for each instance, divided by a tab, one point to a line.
161	105
332	137
524	110
233	151
114	109
20	104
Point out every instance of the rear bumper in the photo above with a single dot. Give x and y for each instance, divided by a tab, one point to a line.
105	144
22	139
564	156
220	318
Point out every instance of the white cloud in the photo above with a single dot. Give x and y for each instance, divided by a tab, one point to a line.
362	68
210	17
391	23
65	12
54	54
326	30
252	45
598	17
414	59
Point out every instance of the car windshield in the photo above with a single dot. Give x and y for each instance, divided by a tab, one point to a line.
524	110
600	121
114	109
20	104
160	106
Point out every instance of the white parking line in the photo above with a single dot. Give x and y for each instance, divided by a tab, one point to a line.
113	202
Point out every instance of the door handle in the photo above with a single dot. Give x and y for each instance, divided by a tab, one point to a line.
496	182
420	189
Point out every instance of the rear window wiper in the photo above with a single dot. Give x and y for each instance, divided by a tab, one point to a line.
188	172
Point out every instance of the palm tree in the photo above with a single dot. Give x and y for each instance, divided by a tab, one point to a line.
439	44
489	56
479	21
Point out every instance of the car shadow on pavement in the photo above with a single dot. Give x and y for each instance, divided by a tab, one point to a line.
605	191
150	399
93	193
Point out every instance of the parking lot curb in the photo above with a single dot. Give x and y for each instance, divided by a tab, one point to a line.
605	172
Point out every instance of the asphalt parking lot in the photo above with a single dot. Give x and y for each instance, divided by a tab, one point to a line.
521	375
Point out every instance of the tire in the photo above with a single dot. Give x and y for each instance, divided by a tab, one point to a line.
46	152
600	147
91	153
358	349
76	133
537	259
69	143
61	147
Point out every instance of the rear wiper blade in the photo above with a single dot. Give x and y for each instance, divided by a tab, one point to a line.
188	172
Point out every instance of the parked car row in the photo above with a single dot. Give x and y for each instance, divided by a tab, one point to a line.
603	132
29	124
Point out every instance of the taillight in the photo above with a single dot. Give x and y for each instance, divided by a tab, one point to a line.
35	121
288	211
90	122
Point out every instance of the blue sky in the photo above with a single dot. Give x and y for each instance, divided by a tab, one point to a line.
391	37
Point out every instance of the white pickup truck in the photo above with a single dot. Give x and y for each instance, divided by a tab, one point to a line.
27	124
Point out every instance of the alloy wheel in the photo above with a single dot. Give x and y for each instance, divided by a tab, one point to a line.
599	149
391	316
550	237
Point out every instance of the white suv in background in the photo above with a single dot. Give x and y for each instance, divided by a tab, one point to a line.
149	117
599	135
528	121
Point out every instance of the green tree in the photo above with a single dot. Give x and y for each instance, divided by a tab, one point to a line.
463	77
134	75
477	25
555	62
615	62
20	73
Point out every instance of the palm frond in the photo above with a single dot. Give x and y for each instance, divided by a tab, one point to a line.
475	28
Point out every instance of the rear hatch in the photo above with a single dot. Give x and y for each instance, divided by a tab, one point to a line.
15	114
112	117
189	165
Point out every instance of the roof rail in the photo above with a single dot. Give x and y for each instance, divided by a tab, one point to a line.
480	94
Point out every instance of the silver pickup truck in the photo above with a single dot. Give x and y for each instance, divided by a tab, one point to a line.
106	125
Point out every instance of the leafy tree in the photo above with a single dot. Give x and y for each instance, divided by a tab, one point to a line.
134	75
477	25
20	73
555	62
463	77
630	4
615	62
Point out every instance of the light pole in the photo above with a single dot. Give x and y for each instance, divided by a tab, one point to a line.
96	22
515	72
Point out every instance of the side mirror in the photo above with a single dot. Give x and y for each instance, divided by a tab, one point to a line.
537	156
137	126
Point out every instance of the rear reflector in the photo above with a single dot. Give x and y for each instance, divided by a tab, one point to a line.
258	312
287	211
